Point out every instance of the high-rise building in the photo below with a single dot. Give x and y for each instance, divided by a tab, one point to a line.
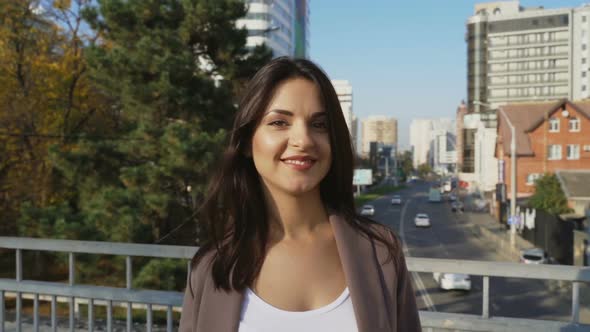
378	129
344	92
426	140
518	54
283	25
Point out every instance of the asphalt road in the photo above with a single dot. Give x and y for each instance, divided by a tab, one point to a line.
447	238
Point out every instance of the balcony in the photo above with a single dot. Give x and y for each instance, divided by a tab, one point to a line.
167	301
501	59
503	72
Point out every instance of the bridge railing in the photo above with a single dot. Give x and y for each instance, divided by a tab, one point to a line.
169	301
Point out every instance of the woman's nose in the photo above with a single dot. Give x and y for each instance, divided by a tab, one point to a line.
300	136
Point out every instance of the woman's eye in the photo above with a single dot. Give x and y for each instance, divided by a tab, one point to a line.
320	124
278	123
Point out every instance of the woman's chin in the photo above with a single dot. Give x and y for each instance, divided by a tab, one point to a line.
301	189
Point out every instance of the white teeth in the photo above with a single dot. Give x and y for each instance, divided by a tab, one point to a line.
298	162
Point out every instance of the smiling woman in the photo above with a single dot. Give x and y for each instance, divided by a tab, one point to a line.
285	248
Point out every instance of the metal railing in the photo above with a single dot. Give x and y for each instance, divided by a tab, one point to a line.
171	300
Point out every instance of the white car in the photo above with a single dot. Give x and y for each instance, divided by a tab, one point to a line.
422	220
533	256
448	281
396	200
368	210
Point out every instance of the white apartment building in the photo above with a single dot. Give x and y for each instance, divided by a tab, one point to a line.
443	153
518	54
283	25
482	174
424	141
344	92
380	129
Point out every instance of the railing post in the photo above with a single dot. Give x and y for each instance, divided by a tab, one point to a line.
36	312
19	278
129	277
485	310
1	311
169	319
90	315
71	280
575	302
149	320
109	315
54	313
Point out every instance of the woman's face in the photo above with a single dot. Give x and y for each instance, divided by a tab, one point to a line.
291	145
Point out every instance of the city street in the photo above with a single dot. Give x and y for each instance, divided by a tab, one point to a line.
448	238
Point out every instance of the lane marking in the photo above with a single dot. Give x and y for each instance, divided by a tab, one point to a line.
419	284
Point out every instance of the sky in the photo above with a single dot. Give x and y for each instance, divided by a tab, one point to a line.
404	58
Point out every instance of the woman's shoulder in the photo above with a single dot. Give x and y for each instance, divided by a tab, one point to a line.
200	268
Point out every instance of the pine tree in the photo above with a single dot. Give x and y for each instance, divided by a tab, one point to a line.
173	70
549	196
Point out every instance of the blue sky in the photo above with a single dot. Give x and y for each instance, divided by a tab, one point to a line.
404	58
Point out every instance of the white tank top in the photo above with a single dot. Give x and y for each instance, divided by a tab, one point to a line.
259	316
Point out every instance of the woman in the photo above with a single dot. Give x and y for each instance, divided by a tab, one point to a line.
286	250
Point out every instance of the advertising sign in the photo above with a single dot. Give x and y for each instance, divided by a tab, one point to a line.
362	177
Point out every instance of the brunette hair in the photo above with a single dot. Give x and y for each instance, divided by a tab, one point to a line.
233	215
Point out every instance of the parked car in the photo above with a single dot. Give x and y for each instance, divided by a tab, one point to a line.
422	220
396	200
457	206
368	210
448	281
533	256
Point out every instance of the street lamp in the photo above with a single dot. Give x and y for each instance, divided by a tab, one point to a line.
512	172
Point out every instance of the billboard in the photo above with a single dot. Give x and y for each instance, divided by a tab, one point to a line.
362	177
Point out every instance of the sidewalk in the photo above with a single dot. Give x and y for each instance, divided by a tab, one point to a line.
484	225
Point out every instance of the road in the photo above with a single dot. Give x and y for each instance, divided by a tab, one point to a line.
448	238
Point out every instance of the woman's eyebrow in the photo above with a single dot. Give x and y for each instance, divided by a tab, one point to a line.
319	114
280	111
289	113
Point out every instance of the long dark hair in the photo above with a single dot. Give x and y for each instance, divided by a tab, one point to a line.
233	214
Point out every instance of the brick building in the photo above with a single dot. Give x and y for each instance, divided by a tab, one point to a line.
550	136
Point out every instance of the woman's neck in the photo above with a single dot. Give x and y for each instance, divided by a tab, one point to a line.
295	217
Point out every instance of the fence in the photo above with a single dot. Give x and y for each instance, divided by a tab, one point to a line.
110	296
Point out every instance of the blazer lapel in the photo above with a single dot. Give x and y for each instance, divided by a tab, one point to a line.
220	310
362	272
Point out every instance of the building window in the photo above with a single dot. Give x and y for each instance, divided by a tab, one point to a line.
531	178
584	47
574	124
554	152
583	74
583	61
584	18
583	87
553	125
573	151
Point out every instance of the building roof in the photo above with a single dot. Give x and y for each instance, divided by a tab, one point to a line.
526	117
575	183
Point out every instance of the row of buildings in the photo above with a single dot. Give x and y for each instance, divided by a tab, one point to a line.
283	26
527	68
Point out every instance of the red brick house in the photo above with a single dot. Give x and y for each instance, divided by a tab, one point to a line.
550	136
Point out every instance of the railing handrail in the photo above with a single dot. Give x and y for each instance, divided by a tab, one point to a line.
71	290
98	247
501	269
473	267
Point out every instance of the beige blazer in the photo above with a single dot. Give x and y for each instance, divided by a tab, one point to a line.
381	291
